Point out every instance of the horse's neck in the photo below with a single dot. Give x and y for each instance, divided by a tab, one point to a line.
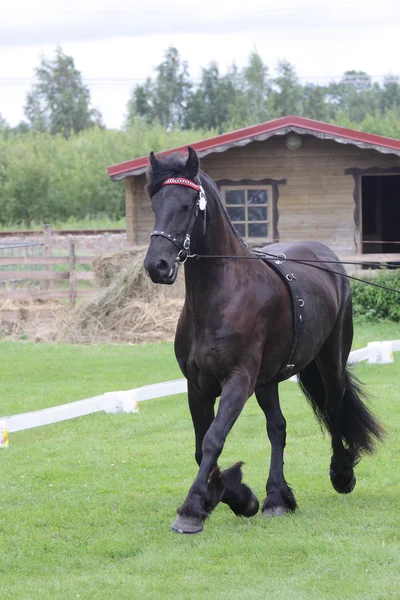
219	238
203	277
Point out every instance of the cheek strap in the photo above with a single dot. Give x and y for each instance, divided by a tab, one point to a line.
200	205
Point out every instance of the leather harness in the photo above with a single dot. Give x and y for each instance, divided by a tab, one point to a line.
281	267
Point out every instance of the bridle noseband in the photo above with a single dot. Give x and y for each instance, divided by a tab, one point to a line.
200	205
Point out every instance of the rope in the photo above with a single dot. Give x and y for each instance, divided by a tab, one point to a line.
308	262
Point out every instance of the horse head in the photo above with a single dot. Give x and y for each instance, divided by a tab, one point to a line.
176	199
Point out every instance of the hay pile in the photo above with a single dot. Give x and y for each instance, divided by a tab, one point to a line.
128	307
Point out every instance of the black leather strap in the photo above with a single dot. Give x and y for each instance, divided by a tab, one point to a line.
286	272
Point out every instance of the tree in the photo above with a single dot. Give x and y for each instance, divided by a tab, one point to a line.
314	103
141	103
60	101
354	96
257	89
390	96
165	99
172	89
4	126
212	105
287	92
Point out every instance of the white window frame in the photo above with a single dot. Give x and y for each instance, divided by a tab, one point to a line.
246	222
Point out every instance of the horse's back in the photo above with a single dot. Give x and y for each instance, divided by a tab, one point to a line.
320	278
303	250
315	262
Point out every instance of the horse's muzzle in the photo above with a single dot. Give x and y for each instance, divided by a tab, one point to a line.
160	271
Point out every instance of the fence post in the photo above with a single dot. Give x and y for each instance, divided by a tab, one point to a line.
72	273
48	284
105	242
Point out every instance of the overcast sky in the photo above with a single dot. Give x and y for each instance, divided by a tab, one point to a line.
117	43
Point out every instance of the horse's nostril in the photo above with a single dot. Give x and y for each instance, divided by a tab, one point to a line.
162	267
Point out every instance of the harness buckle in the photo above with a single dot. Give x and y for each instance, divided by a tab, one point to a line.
281	258
184	253
288	367
182	256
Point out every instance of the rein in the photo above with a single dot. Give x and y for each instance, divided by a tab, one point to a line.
281	258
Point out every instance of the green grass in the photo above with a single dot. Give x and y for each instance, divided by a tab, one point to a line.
377	331
36	376
86	504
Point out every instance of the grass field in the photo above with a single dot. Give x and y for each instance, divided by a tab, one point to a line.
86	505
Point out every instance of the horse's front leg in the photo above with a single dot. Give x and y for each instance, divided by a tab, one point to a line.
201	499
201	408
236	494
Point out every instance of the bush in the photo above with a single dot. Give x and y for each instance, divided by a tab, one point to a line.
48	179
373	302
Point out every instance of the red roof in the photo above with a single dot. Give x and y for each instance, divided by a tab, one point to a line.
260	132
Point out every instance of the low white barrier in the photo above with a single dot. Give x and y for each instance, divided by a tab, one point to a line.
127	401
375	353
111	402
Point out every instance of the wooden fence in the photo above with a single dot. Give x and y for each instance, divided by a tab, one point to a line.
40	271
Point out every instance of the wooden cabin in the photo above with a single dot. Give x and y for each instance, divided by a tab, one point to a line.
293	179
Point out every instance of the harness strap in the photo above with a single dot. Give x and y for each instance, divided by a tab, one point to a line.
168	236
292	285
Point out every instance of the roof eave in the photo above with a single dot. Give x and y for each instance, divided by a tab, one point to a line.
264	136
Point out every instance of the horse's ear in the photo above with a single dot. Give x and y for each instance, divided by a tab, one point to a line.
153	160
192	164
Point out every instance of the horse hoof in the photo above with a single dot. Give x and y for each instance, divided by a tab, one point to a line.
342	483
252	507
275	511
187	525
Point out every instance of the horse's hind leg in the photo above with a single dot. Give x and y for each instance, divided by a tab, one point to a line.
353	428
332	371
337	402
323	384
280	498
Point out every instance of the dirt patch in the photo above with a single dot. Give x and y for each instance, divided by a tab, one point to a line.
30	319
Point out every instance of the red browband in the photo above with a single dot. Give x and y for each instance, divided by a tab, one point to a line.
181	181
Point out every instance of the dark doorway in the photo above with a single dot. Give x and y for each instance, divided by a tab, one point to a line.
380	213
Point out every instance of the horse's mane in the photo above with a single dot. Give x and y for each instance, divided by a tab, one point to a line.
211	187
174	165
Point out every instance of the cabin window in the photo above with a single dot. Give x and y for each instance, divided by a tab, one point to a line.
250	210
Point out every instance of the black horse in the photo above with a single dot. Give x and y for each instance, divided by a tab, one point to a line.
248	323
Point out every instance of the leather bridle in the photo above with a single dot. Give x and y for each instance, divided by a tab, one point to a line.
200	205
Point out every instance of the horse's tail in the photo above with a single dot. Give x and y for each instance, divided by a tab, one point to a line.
360	429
